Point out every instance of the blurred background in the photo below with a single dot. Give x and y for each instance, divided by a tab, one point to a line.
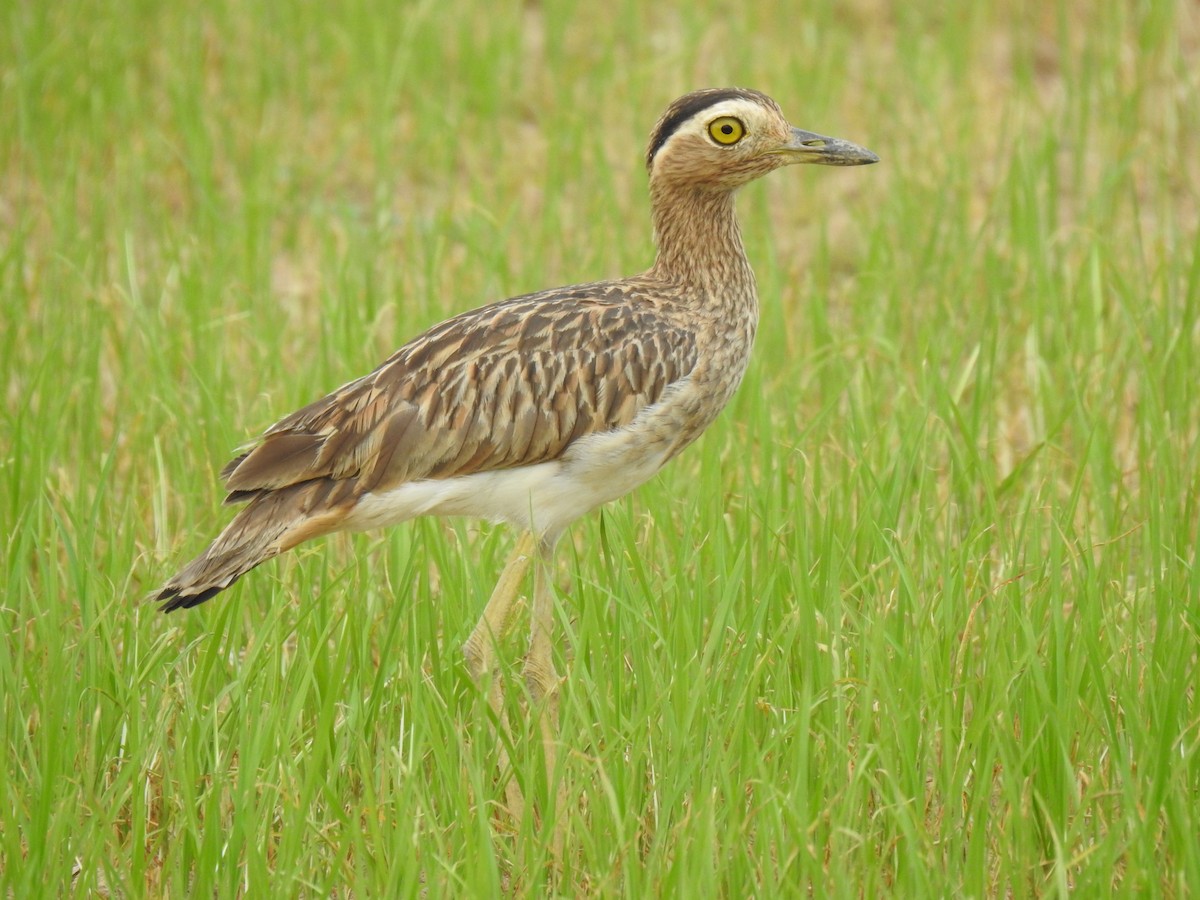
919	615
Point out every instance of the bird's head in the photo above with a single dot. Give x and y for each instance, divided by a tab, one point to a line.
723	138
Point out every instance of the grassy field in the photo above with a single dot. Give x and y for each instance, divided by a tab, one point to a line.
919	616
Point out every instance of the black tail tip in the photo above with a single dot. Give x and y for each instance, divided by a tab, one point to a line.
173	598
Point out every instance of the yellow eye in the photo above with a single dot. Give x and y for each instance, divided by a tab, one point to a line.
726	130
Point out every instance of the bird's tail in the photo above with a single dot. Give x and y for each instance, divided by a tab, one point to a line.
272	522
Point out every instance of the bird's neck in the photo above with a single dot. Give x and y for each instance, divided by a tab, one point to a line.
699	242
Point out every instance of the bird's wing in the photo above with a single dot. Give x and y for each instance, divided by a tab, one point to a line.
507	385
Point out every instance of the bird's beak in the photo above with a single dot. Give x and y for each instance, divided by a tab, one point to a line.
806	147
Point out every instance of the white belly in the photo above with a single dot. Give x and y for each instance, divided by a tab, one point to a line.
543	498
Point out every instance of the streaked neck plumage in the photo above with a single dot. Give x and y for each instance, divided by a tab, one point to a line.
700	244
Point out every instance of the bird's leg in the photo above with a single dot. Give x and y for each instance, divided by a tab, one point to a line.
480	651
480	648
542	682
540	677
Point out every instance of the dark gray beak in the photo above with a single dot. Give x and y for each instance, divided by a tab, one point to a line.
806	147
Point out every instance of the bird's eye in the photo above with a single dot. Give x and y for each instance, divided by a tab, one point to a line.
726	130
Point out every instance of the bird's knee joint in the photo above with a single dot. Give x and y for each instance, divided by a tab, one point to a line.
541	682
477	658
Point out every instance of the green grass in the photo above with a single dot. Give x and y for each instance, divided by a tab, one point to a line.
919	616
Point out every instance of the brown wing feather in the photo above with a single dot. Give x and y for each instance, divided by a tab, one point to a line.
507	385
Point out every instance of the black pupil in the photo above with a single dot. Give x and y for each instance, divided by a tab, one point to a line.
726	129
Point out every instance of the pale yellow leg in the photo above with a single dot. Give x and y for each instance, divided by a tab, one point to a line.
480	648
540	677
480	651
542	683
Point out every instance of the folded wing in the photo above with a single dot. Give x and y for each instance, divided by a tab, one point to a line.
508	385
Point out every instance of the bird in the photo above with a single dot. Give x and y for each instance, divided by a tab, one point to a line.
534	410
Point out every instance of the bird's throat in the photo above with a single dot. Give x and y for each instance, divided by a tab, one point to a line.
699	242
